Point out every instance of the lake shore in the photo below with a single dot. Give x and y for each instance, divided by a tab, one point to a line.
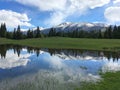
68	43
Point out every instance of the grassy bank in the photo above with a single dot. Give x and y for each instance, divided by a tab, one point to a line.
111	81
68	43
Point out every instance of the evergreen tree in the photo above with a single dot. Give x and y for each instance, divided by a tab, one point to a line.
106	33
9	35
51	32
110	34
14	34
115	29
0	31
118	36
3	30
38	34
28	34
18	33
99	34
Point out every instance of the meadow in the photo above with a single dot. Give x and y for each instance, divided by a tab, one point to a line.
68	43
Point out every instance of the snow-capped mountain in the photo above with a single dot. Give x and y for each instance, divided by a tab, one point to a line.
69	26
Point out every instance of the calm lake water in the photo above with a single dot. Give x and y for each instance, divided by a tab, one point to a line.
26	68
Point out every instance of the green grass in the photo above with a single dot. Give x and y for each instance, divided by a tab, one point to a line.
111	81
68	43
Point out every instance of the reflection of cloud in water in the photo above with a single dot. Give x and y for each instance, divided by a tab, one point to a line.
72	56
49	80
12	60
111	66
68	73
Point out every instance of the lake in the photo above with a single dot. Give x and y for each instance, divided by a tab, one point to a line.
27	68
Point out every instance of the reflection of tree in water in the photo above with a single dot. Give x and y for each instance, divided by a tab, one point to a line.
3	49
114	55
74	52
84	53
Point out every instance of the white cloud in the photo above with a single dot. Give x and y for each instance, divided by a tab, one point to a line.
45	5
12	19
61	9
12	60
111	66
116	1
112	14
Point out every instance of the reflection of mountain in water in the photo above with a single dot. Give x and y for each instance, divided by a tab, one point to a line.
64	54
84	54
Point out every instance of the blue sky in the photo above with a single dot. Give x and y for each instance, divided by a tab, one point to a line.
48	13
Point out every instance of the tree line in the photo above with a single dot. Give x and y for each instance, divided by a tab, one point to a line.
111	32
18	34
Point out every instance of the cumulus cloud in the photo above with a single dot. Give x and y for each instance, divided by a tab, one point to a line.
45	5
61	9
111	66
112	14
12	19
116	1
12	60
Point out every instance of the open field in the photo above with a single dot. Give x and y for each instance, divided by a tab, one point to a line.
68	43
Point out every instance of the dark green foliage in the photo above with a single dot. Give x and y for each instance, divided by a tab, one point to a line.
52	32
118	34
18	33
3	30
115	29
14	33
110	33
9	35
28	34
31	34
99	34
37	33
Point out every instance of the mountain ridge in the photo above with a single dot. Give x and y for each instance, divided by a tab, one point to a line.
70	26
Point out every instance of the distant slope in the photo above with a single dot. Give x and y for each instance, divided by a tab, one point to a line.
68	26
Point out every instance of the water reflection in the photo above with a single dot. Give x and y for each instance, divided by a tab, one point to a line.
24	68
64	54
12	60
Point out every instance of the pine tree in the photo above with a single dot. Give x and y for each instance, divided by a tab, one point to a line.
118	32
18	33
38	35
51	32
14	34
0	31
28	34
9	35
115	29
3	30
99	34
106	33
110	35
